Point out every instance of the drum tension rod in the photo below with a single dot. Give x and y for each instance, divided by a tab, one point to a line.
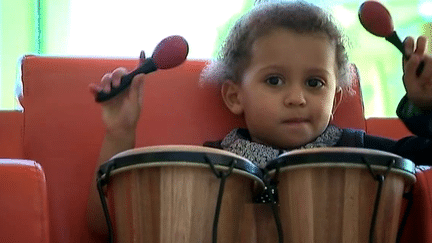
102	179
380	178
409	197
270	195
222	176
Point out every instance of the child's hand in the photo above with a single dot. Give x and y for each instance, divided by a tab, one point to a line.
419	88
121	113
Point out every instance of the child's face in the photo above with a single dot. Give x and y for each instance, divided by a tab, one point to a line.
288	92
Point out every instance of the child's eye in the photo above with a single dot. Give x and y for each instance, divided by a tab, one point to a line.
274	80
315	83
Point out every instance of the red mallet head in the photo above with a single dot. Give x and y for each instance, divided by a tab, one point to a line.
170	52
376	19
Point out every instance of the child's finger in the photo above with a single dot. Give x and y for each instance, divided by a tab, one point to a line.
95	88
106	78
116	76
105	83
421	45
136	86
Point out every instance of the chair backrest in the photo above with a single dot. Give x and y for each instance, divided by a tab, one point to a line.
11	134
63	129
350	113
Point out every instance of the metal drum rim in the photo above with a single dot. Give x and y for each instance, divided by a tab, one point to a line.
341	155
179	155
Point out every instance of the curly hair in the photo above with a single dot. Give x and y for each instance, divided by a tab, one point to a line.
298	16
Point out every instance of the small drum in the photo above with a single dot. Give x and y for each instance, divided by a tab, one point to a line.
339	195
178	194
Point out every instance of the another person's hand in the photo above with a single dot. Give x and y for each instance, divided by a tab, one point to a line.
418	88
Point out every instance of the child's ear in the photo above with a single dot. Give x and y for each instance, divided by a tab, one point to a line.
232	97
337	99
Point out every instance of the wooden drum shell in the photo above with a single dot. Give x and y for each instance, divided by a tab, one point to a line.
334	202
176	201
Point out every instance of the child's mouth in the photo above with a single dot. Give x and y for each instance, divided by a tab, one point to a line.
296	120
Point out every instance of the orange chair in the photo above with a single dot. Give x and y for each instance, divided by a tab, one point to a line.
62	128
23	202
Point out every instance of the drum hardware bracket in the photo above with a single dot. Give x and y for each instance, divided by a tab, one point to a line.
380	178
222	176
270	196
270	193
408	196
102	180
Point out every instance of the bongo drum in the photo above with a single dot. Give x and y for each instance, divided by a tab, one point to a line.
339	195
177	194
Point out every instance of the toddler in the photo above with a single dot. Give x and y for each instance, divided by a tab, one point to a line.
284	69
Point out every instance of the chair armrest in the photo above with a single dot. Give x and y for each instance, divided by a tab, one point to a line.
418	227
387	127
23	202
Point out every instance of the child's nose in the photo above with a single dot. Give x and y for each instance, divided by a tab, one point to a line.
295	97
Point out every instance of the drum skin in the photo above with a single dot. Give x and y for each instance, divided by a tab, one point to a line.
333	201
176	201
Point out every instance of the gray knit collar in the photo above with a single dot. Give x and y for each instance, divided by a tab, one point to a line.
238	142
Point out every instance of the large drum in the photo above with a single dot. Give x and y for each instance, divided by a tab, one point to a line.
339	195
178	194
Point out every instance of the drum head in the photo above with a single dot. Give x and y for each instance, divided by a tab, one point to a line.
179	155
342	157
